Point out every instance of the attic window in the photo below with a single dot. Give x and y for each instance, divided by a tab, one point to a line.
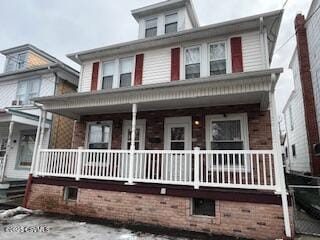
171	25
151	27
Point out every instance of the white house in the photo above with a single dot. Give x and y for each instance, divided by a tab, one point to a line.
28	73
175	129
302	110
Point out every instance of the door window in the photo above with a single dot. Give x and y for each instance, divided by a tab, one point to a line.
177	139
27	142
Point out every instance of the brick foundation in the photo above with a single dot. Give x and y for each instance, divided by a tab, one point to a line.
249	220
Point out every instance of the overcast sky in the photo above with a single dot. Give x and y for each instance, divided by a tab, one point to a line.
60	27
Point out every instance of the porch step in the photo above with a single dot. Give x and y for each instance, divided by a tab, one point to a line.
15	191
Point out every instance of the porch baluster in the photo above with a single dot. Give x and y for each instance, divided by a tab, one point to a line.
79	163
196	167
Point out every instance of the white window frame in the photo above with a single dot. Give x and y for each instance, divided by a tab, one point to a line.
28	88
168	14
114	72
228	60
132	71
108	122
145	25
16	64
185	61
170	122
127	125
228	117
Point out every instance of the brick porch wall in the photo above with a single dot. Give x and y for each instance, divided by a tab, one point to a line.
259	125
250	220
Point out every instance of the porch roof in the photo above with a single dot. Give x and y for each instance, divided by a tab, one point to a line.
228	89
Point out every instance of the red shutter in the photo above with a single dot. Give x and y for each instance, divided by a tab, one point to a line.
94	77
236	53
175	64
139	70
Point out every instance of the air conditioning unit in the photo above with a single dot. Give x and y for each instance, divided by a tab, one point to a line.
16	103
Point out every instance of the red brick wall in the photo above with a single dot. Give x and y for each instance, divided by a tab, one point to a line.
250	220
307	92
258	123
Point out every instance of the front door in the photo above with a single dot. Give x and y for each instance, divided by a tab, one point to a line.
178	136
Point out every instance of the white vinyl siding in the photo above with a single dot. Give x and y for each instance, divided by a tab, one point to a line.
298	135
86	75
251	52
157	66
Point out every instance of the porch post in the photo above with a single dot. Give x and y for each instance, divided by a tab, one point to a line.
5	159
279	172
36	143
132	146
42	129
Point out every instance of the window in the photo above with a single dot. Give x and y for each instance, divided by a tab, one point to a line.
140	134
16	62
3	146
27	90
192	62
293	147
218	63
291	118
286	152
226	135
99	136
70	193
177	140
26	146
203	207
108	75
126	72
171	25
151	27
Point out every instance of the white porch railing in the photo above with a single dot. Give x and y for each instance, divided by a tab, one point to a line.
248	169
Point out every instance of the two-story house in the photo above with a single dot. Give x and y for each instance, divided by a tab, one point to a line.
28	73
176	129
303	143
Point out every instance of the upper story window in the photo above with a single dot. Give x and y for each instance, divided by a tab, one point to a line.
171	24
27	90
192	62
125	68
108	75
151	27
16	62
218	58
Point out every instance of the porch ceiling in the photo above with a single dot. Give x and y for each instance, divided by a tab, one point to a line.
229	89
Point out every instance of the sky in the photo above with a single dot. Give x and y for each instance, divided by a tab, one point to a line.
60	27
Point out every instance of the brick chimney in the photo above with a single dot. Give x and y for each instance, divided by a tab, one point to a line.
307	92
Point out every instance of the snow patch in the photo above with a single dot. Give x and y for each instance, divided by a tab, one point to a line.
18	212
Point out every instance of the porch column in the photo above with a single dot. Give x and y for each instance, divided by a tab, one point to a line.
279	172
36	144
132	146
42	129
5	159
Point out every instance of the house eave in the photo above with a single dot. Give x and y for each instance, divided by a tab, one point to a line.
196	92
229	27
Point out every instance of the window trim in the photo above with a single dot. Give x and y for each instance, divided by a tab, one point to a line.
110	122
28	80
18	159
185	60
66	191
127	124
15	55
165	24
232	116
228	59
114	73
145	24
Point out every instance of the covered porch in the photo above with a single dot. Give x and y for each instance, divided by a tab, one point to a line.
213	132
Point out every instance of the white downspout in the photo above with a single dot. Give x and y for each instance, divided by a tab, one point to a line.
5	159
279	172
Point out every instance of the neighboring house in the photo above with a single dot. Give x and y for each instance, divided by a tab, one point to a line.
302	111
175	129
28	73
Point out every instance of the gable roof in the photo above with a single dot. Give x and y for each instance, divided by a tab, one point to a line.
270	20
